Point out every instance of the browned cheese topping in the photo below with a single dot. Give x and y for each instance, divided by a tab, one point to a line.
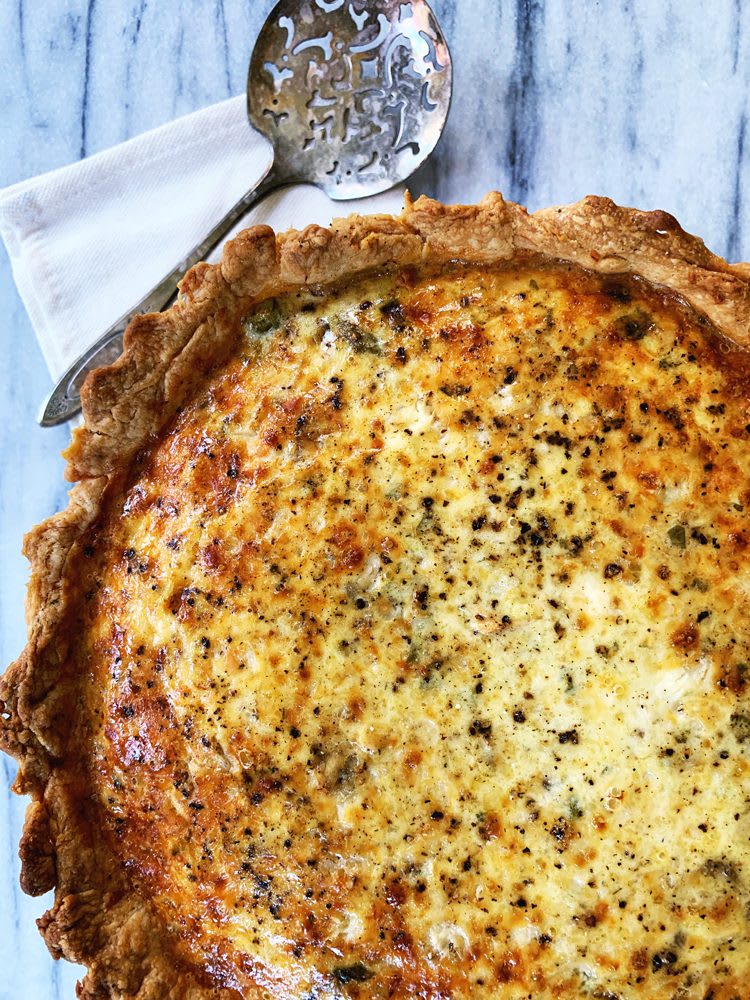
418	649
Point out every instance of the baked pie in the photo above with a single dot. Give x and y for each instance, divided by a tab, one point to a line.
396	639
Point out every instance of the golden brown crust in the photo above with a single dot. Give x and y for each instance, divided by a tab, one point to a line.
167	353
97	918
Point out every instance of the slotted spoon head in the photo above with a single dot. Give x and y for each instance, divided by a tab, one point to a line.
352	94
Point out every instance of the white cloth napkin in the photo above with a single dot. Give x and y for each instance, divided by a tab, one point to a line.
88	241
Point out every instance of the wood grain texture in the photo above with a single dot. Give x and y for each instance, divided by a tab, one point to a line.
647	102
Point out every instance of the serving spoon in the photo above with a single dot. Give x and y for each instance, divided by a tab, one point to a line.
353	96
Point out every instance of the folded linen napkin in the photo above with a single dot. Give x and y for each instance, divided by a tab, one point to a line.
86	242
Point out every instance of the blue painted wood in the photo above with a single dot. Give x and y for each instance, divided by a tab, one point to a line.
646	102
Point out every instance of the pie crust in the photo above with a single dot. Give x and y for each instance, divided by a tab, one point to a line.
97	918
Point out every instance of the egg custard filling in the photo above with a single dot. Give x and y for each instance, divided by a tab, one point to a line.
416	650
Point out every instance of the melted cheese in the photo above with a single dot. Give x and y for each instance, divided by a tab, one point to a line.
418	648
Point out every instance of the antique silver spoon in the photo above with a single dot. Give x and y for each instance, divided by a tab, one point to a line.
352	94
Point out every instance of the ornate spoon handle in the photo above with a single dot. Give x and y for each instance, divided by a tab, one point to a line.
64	402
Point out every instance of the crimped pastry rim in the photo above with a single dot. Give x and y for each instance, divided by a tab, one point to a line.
97	918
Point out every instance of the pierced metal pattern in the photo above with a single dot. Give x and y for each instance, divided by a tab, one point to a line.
352	94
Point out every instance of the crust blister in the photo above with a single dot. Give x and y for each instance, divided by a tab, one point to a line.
97	918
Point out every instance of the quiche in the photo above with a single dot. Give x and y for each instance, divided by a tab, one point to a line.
396	639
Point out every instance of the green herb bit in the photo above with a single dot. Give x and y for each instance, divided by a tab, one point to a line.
677	536
357	973
668	362
264	321
575	810
634	325
740	724
362	341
